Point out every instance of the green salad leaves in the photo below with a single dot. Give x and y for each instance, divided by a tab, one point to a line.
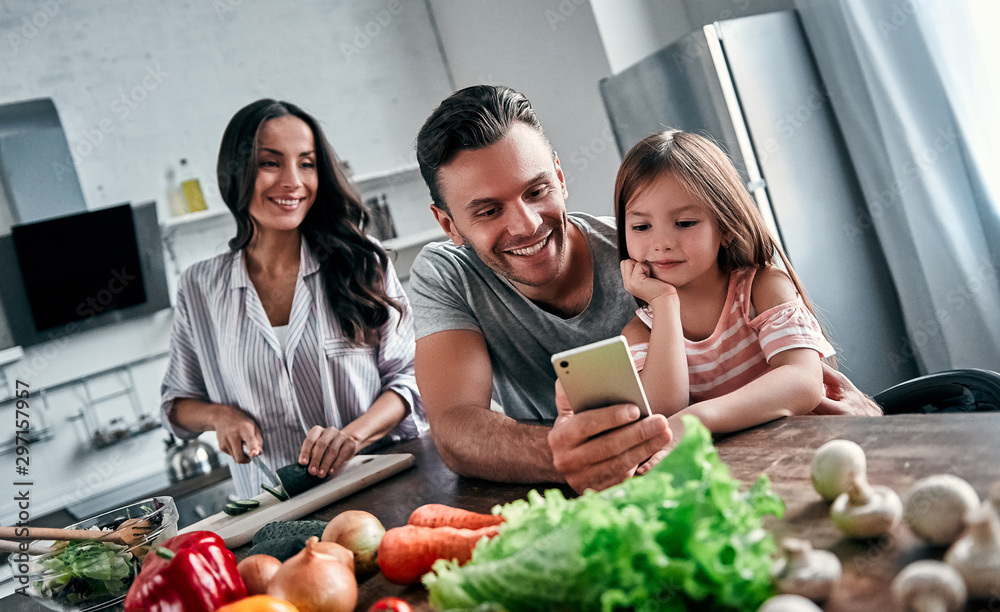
680	537
88	571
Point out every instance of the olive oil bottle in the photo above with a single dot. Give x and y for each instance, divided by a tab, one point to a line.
191	189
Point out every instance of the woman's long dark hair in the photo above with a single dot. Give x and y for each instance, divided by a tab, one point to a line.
353	267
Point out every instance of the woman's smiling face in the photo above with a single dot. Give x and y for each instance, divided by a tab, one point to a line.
286	183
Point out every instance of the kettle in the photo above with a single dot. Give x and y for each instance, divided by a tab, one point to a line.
189	458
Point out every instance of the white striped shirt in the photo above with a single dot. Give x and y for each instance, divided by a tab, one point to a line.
224	350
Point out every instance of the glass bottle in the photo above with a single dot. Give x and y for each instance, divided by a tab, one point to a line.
175	197
192	189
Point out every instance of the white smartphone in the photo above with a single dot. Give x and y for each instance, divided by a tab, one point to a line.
600	374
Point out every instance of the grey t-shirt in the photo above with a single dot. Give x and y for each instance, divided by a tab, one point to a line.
451	288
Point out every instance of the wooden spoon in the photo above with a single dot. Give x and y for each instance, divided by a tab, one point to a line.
128	532
31	548
50	533
132	530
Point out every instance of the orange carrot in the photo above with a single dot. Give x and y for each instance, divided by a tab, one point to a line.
407	553
439	515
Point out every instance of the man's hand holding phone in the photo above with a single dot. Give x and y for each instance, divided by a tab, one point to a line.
601	447
605	443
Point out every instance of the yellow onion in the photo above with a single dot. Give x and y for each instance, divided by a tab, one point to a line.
360	532
256	571
320	578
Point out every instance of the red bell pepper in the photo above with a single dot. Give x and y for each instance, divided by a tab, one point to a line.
194	572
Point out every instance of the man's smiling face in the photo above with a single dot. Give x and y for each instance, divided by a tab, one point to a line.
508	202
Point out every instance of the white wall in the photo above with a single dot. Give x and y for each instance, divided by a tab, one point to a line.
633	29
140	85
551	51
704	12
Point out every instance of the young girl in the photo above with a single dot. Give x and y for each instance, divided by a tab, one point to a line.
721	332
298	343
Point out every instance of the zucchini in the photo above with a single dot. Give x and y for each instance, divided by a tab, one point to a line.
233	510
296	478
249	504
275	492
302	530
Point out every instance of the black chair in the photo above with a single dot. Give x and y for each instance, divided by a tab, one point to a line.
965	390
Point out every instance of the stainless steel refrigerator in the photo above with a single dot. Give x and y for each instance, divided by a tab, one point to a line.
752	85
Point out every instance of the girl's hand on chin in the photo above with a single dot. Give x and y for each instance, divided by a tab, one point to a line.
641	284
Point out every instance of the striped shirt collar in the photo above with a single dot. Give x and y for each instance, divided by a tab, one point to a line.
239	278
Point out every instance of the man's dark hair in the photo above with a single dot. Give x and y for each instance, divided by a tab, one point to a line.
471	118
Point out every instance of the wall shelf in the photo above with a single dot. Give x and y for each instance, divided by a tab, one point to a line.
9	355
192	218
435	234
97	436
386	175
170	227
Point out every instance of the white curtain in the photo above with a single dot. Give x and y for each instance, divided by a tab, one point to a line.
915	90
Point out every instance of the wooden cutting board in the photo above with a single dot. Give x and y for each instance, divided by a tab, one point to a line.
360	472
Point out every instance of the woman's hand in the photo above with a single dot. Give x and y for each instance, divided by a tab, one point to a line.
638	281
234	429
326	450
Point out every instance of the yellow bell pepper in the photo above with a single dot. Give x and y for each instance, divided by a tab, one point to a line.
259	603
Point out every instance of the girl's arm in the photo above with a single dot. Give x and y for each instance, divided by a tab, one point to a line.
792	385
664	375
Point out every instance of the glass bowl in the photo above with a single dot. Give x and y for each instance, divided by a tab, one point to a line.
89	575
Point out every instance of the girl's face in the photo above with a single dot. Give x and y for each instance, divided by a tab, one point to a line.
672	232
286	182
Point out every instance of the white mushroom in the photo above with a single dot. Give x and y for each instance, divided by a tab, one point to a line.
937	507
835	466
866	511
807	572
976	555
929	586
789	603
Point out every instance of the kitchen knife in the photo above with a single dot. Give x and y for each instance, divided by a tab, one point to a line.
269	474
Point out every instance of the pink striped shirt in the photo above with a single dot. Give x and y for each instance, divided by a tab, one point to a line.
743	342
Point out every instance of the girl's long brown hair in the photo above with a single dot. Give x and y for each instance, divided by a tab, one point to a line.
708	174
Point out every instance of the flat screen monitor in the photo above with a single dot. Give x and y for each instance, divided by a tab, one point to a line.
76	266
81	271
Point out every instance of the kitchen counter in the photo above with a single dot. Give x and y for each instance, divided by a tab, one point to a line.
900	450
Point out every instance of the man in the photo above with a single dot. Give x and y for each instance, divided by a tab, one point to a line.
521	280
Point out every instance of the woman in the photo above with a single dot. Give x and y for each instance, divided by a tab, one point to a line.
298	344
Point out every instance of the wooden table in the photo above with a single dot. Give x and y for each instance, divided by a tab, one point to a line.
900	450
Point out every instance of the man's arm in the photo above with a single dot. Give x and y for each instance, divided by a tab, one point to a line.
455	379
593	450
